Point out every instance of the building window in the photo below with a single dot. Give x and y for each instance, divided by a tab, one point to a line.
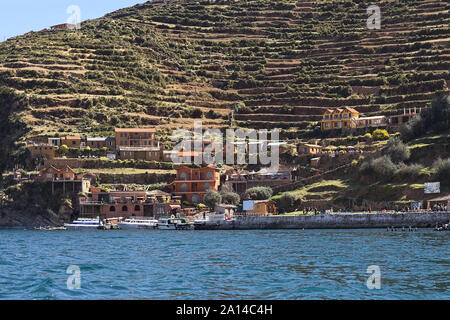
209	175
112	208
183	175
137	208
184	187
124	209
207	186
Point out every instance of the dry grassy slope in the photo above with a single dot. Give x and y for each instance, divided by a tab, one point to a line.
280	62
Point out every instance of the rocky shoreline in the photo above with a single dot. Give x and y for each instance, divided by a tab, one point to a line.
33	217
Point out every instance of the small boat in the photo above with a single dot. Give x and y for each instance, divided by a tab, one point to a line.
137	223
84	224
173	224
110	224
214	221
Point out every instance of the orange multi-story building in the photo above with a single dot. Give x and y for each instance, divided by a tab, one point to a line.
193	183
137	143
135	137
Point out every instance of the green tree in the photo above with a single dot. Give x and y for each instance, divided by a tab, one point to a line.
259	193
212	198
287	200
230	198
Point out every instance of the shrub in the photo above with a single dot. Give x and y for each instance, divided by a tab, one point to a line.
64	149
397	150
212	198
404	171
197	113
259	193
230	198
380	134
442	167
384	166
368	136
287	200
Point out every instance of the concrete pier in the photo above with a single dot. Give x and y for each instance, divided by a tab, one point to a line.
333	221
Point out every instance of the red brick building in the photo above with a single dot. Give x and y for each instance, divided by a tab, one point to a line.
53	174
125	204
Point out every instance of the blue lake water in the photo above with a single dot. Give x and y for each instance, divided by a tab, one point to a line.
254	264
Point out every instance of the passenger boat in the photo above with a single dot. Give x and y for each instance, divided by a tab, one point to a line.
84	224
173	224
137	223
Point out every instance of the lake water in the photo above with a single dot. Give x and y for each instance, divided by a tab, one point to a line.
254	264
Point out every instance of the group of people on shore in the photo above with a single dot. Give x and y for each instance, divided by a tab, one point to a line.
439	207
315	211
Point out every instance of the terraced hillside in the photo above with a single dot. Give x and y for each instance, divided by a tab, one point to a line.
274	63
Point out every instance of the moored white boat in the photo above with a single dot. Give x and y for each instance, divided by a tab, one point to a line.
84	224
137	223
173	224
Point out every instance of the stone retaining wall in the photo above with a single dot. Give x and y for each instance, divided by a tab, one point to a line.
336	221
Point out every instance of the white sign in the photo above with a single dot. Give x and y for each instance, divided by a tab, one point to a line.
432	187
248	205
111	156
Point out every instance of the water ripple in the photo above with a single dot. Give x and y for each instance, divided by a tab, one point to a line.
283	264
